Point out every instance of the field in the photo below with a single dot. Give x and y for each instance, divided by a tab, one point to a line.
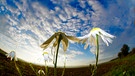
116	67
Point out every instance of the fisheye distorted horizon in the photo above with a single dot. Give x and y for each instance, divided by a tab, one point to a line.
26	24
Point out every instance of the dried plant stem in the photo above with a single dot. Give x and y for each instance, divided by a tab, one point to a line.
55	64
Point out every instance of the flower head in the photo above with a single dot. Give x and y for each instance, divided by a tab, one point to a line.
59	36
41	72
46	56
91	37
12	55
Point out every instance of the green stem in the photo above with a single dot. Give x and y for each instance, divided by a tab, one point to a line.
97	51
55	64
46	69
33	69
63	70
96	56
17	68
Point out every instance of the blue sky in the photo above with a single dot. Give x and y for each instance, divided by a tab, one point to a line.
26	24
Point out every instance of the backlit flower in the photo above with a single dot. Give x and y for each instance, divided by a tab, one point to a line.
12	55
93	39
90	39
46	56
59	36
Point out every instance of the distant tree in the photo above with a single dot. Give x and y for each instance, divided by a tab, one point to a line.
125	50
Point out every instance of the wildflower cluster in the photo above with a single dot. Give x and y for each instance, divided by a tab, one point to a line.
91	39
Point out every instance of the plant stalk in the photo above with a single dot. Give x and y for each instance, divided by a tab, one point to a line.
97	50
33	69
46	69
55	64
17	68
96	56
64	67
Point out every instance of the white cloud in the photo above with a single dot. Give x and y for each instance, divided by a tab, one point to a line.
82	3
2	8
62	17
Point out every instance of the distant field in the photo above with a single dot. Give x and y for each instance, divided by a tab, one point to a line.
117	67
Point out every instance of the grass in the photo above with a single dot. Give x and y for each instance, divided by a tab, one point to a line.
116	67
122	67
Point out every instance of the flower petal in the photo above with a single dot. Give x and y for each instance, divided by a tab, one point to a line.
106	34
85	36
104	40
106	37
64	42
47	42
73	38
93	40
56	42
86	45
109	39
83	40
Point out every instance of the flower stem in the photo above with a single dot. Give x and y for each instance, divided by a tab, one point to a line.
97	51
33	69
55	64
46	69
96	56
64	67
17	68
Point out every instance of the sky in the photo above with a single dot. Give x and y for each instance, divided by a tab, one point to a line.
26	24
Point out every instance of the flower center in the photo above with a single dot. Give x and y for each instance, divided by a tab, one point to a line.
95	29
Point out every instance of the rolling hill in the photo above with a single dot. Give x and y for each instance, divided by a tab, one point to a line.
116	67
